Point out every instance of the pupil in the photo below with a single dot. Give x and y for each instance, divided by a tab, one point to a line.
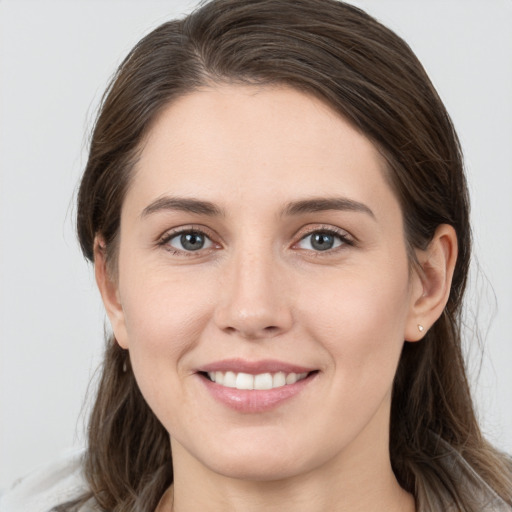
192	241
322	241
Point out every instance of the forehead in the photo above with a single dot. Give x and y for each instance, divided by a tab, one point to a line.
255	144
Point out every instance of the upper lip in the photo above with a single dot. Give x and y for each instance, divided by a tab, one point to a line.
253	367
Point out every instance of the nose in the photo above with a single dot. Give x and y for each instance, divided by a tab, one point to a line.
254	301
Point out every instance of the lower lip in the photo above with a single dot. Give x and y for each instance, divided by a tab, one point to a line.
252	400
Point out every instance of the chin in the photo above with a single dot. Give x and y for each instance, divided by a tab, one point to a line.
257	469
257	459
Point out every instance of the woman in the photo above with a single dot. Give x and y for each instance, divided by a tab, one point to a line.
277	212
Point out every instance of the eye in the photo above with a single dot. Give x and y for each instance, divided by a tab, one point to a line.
188	241
322	241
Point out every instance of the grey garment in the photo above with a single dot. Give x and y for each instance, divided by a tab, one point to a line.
457	476
48	487
63	481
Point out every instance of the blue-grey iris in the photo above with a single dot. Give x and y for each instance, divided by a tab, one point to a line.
192	241
322	241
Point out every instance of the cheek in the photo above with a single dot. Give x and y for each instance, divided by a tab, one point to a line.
164	316
361	323
361	329
164	320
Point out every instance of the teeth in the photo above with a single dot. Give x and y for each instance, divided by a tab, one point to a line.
291	378
229	380
244	381
263	381
278	380
260	381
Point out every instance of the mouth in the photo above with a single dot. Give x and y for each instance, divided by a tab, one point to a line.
255	386
259	382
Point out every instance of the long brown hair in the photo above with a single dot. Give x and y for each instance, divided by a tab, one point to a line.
368	75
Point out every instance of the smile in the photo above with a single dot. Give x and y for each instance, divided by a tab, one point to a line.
260	381
255	386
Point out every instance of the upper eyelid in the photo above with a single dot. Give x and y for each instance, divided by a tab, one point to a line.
163	242
346	238
299	235
306	231
191	228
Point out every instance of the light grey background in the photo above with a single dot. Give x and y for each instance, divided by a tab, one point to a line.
55	60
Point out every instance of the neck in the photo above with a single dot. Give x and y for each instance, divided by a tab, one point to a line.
360	480
301	495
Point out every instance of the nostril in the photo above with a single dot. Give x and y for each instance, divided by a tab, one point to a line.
265	332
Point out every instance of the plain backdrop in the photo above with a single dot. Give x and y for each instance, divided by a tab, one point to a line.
55	60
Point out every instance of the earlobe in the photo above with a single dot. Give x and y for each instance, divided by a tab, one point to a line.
432	282
109	291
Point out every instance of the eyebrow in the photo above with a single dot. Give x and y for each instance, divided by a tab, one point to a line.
184	205
301	207
324	204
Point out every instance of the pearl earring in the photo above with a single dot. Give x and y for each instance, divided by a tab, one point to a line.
420	328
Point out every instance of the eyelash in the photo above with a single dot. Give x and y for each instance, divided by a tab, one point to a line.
167	237
342	236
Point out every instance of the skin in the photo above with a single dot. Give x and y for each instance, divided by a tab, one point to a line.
260	290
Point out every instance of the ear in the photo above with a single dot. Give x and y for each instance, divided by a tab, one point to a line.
109	290
432	281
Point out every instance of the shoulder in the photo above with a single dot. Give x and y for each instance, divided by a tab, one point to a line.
47	487
455	480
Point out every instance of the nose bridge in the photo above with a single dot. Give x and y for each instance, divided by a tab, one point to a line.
254	303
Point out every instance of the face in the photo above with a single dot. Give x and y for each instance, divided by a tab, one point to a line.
263	288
